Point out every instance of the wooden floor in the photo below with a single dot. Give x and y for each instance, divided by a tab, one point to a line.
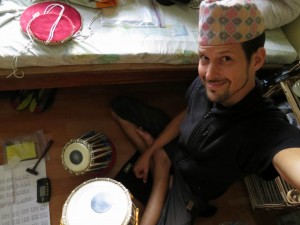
80	109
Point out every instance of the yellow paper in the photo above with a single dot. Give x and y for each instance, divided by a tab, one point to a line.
24	150
15	160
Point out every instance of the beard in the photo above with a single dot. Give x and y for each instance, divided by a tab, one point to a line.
224	96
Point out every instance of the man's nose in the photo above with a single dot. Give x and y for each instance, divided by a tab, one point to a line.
212	71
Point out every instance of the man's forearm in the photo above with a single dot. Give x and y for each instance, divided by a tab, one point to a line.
169	133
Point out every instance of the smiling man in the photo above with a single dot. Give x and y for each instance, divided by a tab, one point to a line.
225	73
227	131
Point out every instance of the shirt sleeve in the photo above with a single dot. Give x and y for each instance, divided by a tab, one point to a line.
264	143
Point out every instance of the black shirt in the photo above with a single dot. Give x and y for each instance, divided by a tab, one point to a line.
219	145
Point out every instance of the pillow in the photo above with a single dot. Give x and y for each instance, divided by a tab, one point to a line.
278	12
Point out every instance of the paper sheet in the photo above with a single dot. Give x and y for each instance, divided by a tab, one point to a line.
18	204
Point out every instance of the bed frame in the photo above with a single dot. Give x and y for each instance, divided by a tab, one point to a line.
70	76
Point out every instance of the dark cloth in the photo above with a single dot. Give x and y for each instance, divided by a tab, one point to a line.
174	211
154	121
151	119
140	190
217	146
143	115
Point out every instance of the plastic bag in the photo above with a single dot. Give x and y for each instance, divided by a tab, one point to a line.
24	148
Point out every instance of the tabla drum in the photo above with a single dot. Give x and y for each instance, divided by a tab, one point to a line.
92	152
50	22
100	201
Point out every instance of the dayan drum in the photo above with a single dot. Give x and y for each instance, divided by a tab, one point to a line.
90	152
100	201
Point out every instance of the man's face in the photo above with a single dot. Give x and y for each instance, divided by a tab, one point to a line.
225	73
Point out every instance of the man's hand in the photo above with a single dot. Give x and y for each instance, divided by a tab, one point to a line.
141	167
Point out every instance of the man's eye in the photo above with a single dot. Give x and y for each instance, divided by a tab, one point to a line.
203	57
226	59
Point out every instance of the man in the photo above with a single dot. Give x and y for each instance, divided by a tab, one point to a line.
227	131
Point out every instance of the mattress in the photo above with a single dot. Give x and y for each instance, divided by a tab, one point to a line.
137	32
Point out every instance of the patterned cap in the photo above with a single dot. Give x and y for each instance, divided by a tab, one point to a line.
228	22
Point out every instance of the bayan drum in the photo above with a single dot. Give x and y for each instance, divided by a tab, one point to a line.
90	152
100	201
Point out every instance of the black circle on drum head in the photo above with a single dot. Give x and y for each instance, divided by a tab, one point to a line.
76	157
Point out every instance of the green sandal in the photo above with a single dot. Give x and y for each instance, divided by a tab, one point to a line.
42	100
22	99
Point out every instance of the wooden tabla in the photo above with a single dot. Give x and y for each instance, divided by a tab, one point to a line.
100	201
92	152
50	22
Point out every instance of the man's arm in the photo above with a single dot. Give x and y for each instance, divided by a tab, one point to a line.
287	163
171	131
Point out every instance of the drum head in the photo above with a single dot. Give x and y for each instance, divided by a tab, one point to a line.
76	157
98	201
71	20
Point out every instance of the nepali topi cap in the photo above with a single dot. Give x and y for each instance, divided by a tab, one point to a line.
224	22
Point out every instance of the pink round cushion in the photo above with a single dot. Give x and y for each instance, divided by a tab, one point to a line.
39	24
40	28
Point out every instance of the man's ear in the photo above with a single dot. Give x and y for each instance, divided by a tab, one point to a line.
259	58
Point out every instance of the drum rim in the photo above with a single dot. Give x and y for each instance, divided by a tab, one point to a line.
126	191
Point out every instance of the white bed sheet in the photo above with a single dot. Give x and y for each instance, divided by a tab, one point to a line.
174	43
